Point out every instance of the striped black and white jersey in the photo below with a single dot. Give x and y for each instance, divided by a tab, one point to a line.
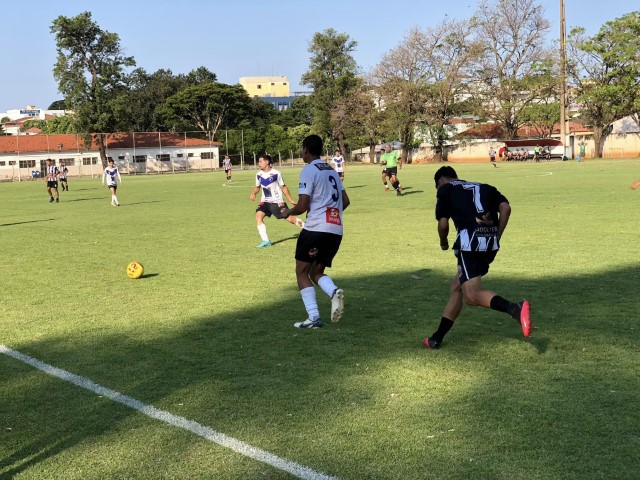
473	207
63	172
52	173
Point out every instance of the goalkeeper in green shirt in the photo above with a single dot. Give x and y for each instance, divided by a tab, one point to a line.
392	160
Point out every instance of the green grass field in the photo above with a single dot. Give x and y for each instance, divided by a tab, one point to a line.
207	333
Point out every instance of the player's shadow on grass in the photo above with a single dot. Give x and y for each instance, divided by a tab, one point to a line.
350	187
248	370
139	203
282	240
26	221
404	192
85	199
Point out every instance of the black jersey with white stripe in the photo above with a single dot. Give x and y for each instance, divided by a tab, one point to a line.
473	207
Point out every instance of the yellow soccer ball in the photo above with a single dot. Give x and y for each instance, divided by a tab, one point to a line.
135	270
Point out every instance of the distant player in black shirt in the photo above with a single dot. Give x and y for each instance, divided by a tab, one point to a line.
480	214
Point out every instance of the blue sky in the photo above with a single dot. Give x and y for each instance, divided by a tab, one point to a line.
233	38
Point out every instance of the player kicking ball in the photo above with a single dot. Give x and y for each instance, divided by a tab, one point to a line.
270	181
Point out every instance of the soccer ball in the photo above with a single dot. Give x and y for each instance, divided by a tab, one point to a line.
135	270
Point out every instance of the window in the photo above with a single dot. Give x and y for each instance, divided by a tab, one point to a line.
68	161
89	160
190	154
120	157
163	157
12	162
140	159
259	87
179	155
206	155
2	164
272	83
26	163
284	83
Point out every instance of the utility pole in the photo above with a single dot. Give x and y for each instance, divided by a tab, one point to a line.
563	79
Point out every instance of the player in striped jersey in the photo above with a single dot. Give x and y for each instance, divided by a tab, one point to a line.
480	214
226	165
110	173
63	176
52	180
273	187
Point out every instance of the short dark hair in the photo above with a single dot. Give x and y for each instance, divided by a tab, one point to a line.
266	157
110	160
446	172
313	143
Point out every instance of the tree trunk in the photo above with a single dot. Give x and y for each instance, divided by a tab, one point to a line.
102	148
598	140
372	151
341	144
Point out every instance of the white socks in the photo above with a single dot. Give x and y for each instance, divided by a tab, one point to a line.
327	285
262	230
309	299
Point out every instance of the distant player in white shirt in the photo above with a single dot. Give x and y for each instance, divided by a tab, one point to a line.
270	181
63	176
338	164
226	165
110	173
322	195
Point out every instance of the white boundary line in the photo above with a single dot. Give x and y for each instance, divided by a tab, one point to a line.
543	174
237	446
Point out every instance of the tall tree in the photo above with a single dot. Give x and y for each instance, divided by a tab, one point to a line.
400	81
605	70
91	74
542	116
332	75
448	54
58	105
516	68
360	117
207	107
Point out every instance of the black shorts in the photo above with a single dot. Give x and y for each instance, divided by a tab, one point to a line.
115	187
227	170
63	179
52	184
318	247
492	159
474	264
340	174
393	171
271	209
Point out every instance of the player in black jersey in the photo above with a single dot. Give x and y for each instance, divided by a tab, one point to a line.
480	214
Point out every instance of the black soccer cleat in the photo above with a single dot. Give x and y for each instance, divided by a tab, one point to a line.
431	343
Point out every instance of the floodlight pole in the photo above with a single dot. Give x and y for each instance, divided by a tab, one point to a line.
563	80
